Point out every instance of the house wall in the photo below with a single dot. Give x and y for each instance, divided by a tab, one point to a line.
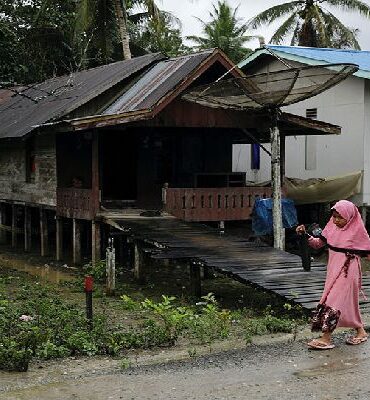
327	155
13	185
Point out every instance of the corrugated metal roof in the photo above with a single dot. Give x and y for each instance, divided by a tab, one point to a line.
157	82
316	56
58	97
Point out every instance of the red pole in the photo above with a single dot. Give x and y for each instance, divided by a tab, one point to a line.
89	283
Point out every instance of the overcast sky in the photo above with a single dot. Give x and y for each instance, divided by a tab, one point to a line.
186	10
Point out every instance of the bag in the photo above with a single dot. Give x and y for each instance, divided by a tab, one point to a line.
324	318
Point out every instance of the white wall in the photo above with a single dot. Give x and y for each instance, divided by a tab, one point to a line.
342	105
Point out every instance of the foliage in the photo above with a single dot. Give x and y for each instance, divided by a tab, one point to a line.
98	270
310	23
225	31
269	323
162	35
41	31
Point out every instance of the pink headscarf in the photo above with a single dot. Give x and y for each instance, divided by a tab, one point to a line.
353	235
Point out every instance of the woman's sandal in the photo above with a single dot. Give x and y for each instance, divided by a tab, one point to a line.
318	345
354	340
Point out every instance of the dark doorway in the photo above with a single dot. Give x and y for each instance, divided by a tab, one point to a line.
119	165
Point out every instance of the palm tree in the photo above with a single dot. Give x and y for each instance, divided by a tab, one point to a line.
310	24
225	31
108	21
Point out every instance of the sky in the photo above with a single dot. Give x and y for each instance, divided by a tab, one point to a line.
187	10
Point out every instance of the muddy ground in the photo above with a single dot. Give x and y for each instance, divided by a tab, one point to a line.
273	367
281	371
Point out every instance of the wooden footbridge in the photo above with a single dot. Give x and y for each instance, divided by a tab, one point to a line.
255	264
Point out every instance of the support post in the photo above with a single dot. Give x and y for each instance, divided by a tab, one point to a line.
95	242
138	264
44	240
110	268
59	238
27	229
2	224
305	252
14	225
76	238
279	239
364	213
195	281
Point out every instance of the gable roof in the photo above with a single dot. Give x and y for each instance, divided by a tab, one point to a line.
56	97
316	56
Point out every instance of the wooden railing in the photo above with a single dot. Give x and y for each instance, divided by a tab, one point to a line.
212	204
76	203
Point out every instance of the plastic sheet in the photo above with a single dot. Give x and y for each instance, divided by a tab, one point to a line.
262	216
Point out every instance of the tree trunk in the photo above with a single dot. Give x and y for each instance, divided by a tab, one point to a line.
122	26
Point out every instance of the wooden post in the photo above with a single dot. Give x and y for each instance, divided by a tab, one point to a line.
2	224
364	213
279	239
27	229
195	281
95	242
44	240
110	268
76	238
305	252
95	185
59	238
138	264
14	225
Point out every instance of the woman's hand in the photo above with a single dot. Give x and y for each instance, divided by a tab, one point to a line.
300	230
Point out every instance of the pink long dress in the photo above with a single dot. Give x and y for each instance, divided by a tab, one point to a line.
344	293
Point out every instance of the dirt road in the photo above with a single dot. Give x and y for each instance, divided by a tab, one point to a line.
281	371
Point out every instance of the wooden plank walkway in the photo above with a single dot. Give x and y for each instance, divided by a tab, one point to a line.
259	265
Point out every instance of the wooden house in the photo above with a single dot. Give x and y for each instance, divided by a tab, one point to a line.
121	137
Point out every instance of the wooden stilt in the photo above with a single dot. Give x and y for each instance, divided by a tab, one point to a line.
138	264
95	242
44	239
27	229
76	238
364	213
111	269
279	237
14	225
59	238
2	224
195	281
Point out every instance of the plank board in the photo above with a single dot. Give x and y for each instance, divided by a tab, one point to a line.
254	264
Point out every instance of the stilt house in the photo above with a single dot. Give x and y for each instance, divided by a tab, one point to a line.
121	138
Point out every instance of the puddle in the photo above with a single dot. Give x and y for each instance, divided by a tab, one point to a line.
328	368
46	272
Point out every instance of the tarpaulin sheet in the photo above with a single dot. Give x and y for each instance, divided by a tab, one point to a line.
262	216
323	190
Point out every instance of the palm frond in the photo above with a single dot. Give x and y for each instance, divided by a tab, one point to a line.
285	29
274	13
337	27
351	5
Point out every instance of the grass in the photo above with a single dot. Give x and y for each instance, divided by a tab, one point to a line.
43	320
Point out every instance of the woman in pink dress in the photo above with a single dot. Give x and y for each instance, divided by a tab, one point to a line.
347	240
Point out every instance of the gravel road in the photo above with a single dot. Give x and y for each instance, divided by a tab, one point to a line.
280	371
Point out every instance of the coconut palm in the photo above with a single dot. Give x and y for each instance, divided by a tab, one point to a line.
225	30
108	22
311	24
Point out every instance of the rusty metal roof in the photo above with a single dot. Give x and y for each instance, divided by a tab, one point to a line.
157	82
57	97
